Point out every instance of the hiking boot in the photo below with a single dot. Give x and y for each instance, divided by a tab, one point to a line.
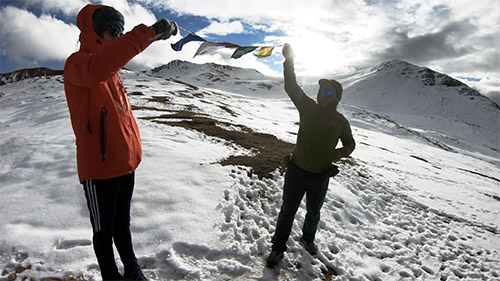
115	276
135	275
274	258
309	246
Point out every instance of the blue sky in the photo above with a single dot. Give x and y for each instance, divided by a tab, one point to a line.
460	38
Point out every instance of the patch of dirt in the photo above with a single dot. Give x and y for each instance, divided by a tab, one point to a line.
419	158
493	196
330	274
270	150
479	174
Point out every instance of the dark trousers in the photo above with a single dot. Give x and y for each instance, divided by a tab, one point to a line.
109	205
297	183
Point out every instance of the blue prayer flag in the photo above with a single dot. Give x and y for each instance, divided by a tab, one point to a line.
191	37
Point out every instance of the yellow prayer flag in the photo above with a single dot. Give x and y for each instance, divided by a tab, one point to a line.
264	52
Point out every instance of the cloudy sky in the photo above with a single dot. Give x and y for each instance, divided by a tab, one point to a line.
460	37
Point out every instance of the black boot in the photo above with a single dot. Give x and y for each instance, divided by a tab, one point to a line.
274	258
135	275
309	246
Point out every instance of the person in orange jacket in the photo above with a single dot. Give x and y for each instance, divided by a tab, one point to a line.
108	144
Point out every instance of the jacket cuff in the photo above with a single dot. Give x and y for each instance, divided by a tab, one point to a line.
143	35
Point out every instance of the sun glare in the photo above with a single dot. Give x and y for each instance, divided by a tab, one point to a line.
315	54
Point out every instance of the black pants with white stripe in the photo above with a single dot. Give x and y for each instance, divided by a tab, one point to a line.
109	205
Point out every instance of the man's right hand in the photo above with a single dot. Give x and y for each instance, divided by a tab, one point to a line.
164	29
287	51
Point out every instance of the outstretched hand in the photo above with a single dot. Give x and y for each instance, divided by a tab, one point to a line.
287	51
164	29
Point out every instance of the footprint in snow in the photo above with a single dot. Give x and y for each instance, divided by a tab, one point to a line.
69	244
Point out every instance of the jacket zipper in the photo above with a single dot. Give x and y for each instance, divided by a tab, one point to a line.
115	98
103	132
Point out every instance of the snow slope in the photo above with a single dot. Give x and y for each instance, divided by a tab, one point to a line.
431	102
412	203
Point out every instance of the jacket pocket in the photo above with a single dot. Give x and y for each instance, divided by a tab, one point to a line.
103	137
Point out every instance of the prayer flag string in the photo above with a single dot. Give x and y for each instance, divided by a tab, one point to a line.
210	47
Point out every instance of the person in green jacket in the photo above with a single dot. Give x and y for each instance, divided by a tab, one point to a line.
310	165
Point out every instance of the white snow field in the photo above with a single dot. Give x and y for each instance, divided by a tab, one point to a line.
419	199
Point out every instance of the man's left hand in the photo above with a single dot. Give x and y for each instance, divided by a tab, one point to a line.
337	155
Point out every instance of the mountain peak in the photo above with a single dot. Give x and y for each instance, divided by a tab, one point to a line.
427	76
393	63
400	88
22	74
223	77
174	65
181	66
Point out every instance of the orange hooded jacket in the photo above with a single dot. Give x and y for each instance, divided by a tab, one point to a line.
108	143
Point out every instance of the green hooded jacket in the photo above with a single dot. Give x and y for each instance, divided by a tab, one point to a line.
320	128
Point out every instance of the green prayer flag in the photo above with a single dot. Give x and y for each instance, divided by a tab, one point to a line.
241	51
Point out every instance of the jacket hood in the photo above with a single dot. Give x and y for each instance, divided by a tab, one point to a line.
332	84
89	40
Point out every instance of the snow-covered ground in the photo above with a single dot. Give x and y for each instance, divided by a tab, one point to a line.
412	203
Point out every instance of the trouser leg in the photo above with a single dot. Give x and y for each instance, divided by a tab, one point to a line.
293	192
101	198
315	197
121	234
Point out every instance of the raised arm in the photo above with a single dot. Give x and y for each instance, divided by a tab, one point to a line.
298	97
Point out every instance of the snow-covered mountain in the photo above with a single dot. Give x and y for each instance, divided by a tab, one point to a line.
222	77
418	199
428	101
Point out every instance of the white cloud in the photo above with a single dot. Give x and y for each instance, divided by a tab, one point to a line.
29	40
67	7
133	13
251	10
26	38
222	28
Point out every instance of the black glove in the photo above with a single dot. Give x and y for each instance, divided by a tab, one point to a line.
164	29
